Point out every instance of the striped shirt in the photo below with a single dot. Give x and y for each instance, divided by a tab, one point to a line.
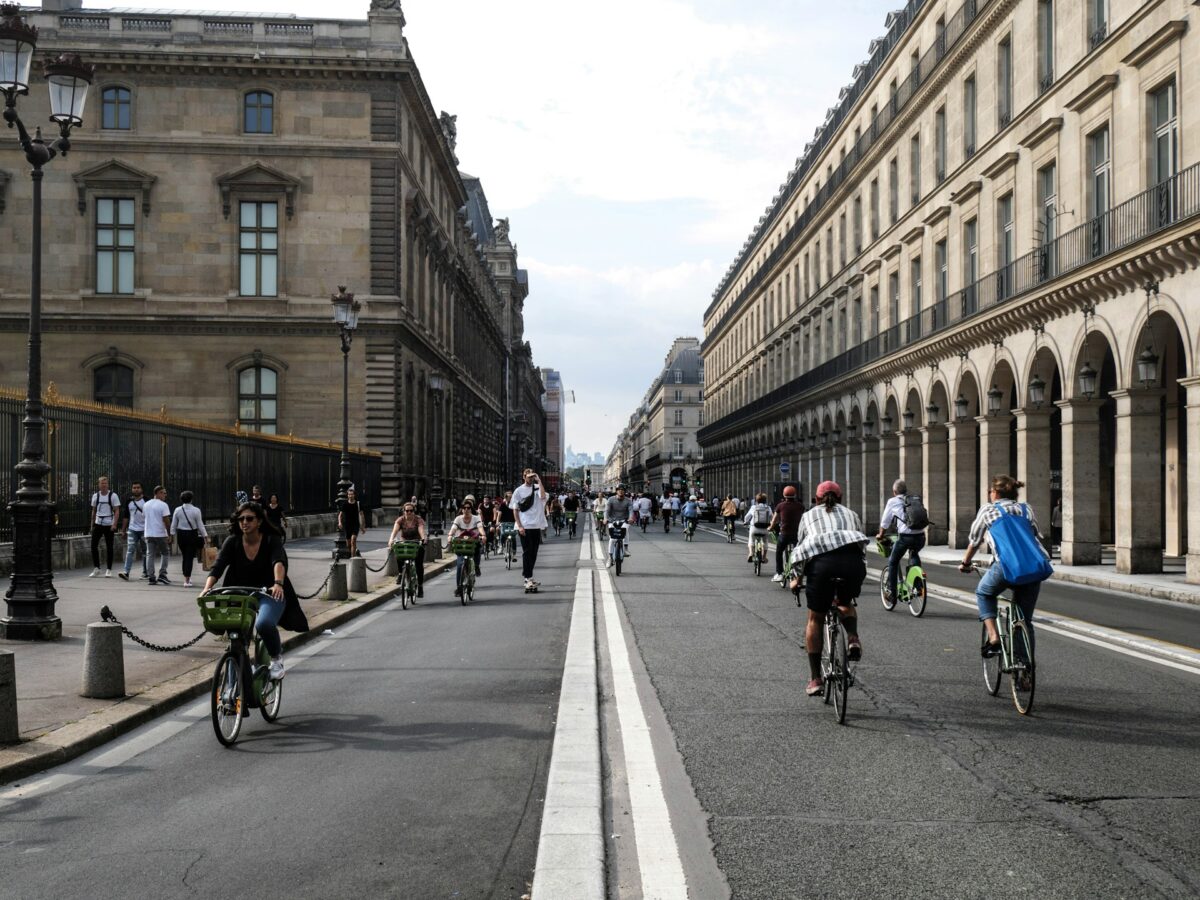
990	512
825	530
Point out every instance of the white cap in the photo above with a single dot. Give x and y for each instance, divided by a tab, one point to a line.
693	497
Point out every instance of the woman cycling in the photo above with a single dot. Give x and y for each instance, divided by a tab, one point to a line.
411	527
758	517
830	545
350	521
1003	495
253	556
729	510
467	526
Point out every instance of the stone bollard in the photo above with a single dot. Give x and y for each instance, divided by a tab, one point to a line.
393	565
9	732
433	549
358	575
337	583
103	662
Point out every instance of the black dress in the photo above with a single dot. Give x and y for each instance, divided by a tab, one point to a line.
259	573
351	521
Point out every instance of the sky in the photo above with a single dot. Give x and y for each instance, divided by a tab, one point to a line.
633	144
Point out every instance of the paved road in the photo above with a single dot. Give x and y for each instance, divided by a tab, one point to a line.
409	761
934	789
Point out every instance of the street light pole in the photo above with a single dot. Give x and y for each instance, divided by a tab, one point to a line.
345	315
31	596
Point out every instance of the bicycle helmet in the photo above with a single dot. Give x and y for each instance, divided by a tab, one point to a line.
692	497
829	487
789	491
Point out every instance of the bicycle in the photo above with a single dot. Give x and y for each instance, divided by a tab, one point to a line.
835	660
406	556
729	531
508	536
1015	658
910	589
689	529
465	547
760	553
238	684
644	521
789	571
616	545
666	521
571	525
558	524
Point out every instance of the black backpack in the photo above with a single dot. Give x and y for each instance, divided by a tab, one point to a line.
915	514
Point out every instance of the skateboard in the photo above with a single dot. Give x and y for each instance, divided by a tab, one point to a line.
532	589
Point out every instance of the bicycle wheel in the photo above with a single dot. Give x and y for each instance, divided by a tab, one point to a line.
992	668
404	588
228	698
508	553
758	562
270	698
916	597
839	659
889	603
1024	669
466	583
617	559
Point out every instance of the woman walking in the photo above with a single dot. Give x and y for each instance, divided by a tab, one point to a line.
350	521
276	516
187	527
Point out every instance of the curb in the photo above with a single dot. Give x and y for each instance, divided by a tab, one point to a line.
76	738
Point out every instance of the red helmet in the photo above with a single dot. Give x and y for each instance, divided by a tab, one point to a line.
789	491
829	487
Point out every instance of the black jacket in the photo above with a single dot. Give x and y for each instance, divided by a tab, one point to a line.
260	572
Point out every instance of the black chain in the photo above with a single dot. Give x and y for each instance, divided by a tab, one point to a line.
328	575
381	568
107	616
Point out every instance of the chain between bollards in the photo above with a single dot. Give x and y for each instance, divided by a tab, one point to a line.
107	616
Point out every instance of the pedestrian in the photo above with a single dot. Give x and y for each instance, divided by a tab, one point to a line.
135	531
256	495
276	516
105	522
187	526
411	527
1056	524
350	521
158	536
529	503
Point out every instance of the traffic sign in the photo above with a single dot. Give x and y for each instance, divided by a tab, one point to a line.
784	468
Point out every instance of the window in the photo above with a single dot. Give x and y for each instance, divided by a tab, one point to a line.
113	384
1004	82
894	190
969	107
679	417
858	233
259	113
679	376
1047	213
1163	154
894	301
874	209
914	167
842	242
258	396
259	253
915	283
678	396
1097	22
828	252
1045	48
941	260
1099	192
114	245
1004	244
116	109
970	264
874	310
816	264
939	146
677	447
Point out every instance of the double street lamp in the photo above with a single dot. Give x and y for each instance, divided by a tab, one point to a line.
31	596
345	316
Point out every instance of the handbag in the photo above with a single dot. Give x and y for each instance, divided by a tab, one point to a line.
208	557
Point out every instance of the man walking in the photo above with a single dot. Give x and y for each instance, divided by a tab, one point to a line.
158	535
909	516
135	531
105	518
529	503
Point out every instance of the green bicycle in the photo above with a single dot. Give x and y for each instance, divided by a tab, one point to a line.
571	525
1015	658
910	589
508	536
406	556
689	529
238	684
790	571
464	548
760	553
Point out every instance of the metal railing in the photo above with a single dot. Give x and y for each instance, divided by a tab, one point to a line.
84	23
1161	206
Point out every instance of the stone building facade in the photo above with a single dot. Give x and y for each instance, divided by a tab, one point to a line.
232	171
985	262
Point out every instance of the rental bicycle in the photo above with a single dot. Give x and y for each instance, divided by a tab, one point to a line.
1015	658
759	553
730	528
571	525
406	557
464	549
508	538
835	660
689	529
789	570
616	545
644	521
910	585
557	521
241	681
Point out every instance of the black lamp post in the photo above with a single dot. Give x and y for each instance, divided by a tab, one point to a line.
31	596
345	316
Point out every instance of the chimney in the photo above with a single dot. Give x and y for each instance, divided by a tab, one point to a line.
61	5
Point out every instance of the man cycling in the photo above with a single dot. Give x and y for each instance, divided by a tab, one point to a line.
908	540
691	512
645	509
670	507
619	509
759	519
786	522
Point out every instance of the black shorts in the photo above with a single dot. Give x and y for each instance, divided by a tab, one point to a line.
820	573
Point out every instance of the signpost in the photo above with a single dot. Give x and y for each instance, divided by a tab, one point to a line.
784	469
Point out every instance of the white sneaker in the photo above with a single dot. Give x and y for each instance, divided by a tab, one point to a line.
275	670
188	584
777	578
108	573
94	573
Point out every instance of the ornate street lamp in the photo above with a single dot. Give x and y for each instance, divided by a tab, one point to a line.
961	408
908	419
837	435
869	428
993	400
1037	390
1087	380
345	316
1147	361
851	432
885	424
931	413
31	596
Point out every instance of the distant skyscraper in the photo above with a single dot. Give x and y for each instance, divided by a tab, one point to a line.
553	403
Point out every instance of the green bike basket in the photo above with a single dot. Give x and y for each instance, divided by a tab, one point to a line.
228	612
406	549
463	546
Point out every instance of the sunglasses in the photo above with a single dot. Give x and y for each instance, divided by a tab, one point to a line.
247	518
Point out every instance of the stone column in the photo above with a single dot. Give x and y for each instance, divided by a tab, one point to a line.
1138	480
962	468
911	468
1192	474
872	488
1081	482
1033	462
826	466
935	480
889	463
994	433
852	487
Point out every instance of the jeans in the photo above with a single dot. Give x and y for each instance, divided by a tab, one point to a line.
135	540
990	586
105	532
905	543
158	552
782	549
530	541
270	611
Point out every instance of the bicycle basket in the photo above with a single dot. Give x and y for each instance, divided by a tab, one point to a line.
463	546
228	612
571	516
507	528
406	549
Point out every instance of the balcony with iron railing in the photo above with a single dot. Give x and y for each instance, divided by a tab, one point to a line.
1163	206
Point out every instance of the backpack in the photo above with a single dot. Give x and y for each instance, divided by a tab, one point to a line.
1018	552
762	516
915	513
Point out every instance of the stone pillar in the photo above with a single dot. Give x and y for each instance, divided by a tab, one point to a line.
1033	462
103	662
1138	480
826	467
872	489
852	488
1081	482
10	732
962	468
889	464
911	467
994	433
1192	474
935	479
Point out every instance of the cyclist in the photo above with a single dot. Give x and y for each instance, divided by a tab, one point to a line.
729	511
487	512
908	540
619	508
554	511
467	525
691	511
785	521
758	517
571	505
251	556
1003	496
645	509
830	544
670	507
411	527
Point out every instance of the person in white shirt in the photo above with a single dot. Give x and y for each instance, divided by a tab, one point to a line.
135	531
758	517
187	527
529	503
106	518
644	508
908	540
158	536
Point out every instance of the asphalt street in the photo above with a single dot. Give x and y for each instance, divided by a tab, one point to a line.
933	788
409	760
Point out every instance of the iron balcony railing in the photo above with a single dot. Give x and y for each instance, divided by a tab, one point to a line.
1162	206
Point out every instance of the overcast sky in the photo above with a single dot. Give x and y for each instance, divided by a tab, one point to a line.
633	144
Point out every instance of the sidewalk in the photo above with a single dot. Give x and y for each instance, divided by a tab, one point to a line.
56	723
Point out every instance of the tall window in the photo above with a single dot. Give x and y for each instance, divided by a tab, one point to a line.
940	145
679	417
874	310
970	263
843	244
969	108
259	113
894	190
915	282
1047	202
678	396
914	167
677	447
874	209
828	252
114	245
259	253
1004	244
115	109
816	264
1004	81
856	321
679	376
1097	22
1045	48
1163	154
113	384
858	231
894	299
258	398
1099	194
941	260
